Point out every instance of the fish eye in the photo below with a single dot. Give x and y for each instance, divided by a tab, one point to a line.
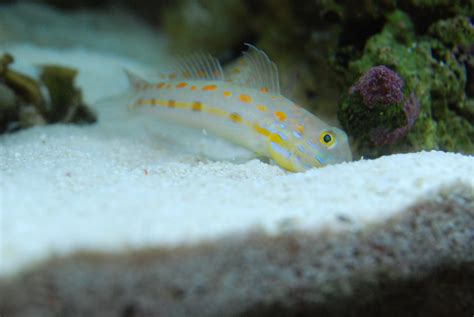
327	138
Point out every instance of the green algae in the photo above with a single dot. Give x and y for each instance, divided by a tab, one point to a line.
23	85
66	100
30	107
457	31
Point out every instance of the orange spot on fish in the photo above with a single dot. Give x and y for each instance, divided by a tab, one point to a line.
171	103
261	130
160	85
262	108
201	73
193	87
209	87
197	106
280	115
227	94
245	98
264	90
181	85
300	128
275	138
235	117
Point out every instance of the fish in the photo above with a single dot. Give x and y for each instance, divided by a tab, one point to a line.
243	105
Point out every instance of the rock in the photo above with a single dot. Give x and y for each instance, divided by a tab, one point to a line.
421	258
432	73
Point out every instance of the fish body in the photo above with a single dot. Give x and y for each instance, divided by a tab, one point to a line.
244	107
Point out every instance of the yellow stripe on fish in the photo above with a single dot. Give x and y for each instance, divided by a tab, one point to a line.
197	106
244	107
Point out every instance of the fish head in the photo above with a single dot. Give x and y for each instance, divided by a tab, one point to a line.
328	145
319	145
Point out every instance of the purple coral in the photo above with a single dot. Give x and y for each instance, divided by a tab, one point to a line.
380	86
382	136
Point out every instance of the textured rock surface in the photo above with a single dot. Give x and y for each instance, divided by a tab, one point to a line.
423	252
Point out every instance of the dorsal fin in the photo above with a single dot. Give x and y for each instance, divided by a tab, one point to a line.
197	66
255	70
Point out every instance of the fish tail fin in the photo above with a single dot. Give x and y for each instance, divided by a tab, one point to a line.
136	84
135	81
